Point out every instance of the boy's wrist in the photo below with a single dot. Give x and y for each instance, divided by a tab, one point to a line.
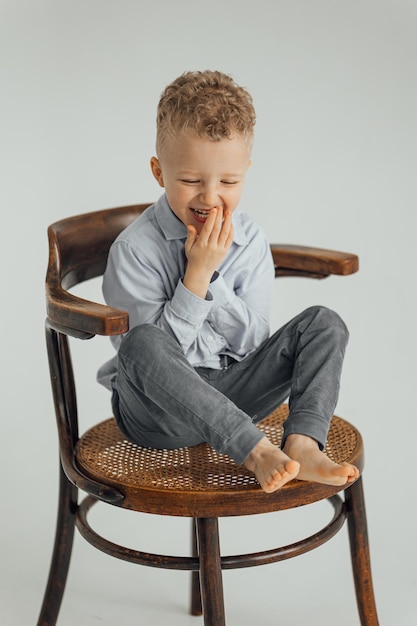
196	282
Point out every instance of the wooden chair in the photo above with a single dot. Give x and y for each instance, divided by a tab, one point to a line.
193	482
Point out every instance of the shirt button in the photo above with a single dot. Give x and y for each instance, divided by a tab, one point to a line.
209	338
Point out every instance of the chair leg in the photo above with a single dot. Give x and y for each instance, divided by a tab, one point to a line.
359	550
64	535
210	572
196	606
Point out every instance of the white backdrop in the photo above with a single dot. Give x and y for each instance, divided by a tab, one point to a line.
334	165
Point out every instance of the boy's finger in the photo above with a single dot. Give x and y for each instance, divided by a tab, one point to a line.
210	223
218	222
191	238
227	226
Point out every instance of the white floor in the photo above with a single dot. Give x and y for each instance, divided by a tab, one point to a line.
313	589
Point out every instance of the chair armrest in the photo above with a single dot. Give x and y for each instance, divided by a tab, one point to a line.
82	318
292	260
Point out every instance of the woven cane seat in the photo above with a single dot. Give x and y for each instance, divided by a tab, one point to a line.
198	476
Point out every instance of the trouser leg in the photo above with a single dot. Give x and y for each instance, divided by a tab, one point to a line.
162	401
303	361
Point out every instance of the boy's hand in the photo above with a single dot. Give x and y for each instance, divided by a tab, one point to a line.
206	251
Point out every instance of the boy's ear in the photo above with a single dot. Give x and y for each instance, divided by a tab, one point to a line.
157	171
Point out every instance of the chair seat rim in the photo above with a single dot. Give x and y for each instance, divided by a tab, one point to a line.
226	503
222	503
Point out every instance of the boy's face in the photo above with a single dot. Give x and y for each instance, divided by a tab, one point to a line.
199	174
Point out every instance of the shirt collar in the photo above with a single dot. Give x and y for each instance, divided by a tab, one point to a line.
173	228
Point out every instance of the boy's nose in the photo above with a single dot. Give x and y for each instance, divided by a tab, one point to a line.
209	196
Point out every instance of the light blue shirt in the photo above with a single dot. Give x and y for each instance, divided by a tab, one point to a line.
144	277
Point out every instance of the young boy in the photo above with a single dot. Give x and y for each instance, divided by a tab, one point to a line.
195	276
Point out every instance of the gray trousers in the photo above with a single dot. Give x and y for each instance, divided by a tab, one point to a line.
163	402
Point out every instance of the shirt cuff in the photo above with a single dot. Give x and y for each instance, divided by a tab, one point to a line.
189	307
219	291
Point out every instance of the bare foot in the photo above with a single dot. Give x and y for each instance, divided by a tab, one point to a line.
271	466
315	465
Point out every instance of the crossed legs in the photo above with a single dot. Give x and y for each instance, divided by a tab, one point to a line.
164	402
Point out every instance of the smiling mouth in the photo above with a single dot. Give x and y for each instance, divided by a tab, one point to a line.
200	215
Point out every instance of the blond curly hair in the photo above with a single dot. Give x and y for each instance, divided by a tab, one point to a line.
209	103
